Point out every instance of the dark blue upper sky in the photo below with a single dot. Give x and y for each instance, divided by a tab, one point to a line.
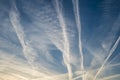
41	39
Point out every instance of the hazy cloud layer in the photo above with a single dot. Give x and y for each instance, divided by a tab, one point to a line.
58	40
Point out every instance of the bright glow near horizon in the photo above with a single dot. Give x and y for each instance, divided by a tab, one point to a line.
51	40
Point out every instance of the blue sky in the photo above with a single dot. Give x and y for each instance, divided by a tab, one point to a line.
59	40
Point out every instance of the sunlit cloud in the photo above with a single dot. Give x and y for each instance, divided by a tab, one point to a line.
47	40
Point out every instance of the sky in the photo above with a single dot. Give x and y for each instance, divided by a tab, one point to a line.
59	40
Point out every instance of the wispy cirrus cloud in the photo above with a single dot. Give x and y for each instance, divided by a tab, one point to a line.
38	42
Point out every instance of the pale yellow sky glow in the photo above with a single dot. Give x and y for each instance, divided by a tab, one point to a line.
59	40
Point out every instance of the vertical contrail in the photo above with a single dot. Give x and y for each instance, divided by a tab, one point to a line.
78	22
66	52
110	53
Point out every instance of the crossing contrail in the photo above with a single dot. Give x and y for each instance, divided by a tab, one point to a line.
110	53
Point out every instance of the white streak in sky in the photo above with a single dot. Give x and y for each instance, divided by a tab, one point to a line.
66	53
14	18
78	23
16	25
111	52
38	42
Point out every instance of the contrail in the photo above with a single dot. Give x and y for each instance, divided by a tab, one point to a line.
78	22
14	18
66	55
28	51
110	53
114	58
